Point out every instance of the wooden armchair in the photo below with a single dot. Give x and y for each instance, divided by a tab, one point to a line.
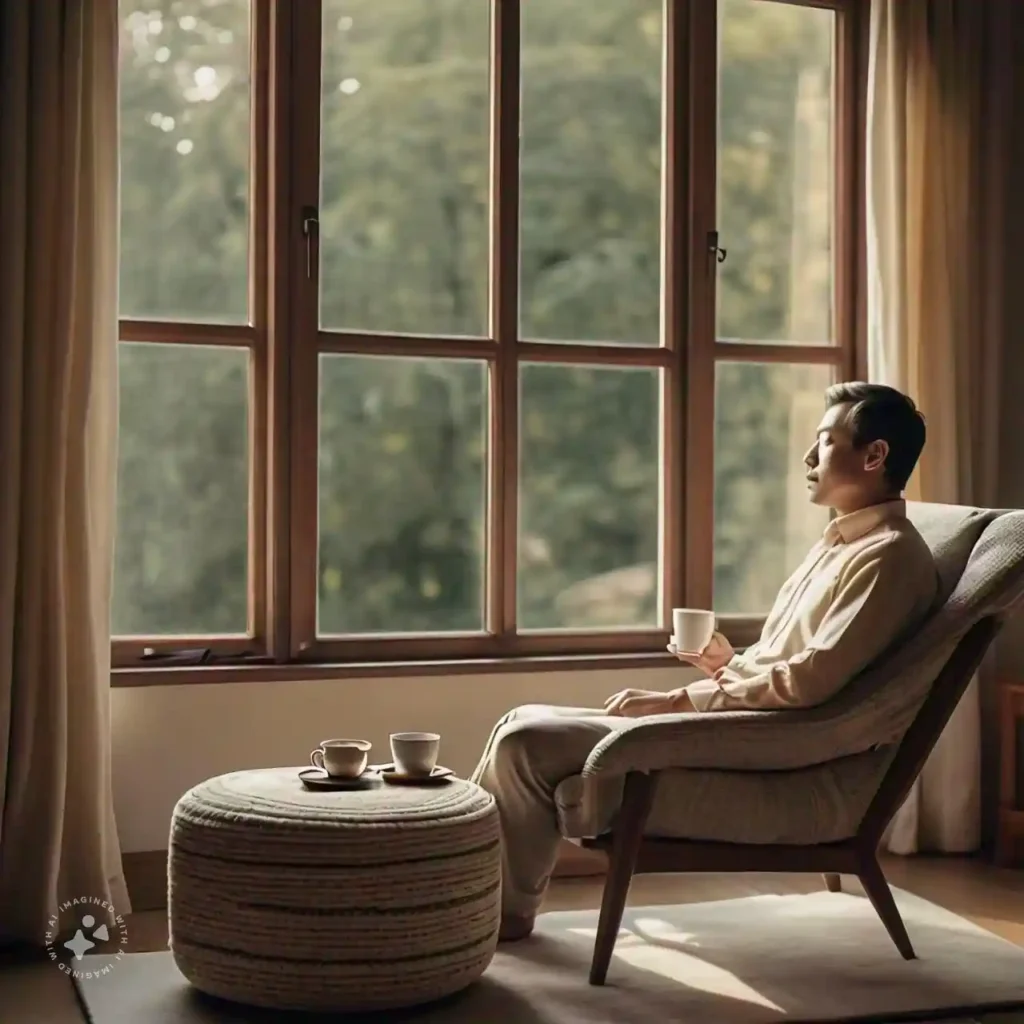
880	728
629	851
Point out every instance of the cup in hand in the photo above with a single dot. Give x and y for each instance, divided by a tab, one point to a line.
341	758
692	629
415	753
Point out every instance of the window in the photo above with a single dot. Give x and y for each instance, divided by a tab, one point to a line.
473	328
193	344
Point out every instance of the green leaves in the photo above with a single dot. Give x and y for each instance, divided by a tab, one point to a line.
404	227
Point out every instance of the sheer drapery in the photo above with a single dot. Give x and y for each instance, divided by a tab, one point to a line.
58	416
931	183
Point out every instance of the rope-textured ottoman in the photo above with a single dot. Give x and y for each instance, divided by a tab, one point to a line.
333	900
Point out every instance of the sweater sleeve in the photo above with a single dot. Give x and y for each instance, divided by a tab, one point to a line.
876	598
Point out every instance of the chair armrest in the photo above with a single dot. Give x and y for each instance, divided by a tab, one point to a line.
736	740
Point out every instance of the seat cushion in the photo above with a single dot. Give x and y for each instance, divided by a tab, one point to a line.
820	804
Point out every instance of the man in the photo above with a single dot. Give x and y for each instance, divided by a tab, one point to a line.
868	581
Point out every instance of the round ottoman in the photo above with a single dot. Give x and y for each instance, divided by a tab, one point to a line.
339	900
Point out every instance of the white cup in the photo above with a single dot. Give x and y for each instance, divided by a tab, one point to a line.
415	753
692	628
341	758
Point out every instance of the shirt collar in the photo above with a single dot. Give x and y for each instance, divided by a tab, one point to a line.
854	525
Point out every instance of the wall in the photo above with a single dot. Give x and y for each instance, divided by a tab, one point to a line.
166	739
1010	473
1008	663
1009	660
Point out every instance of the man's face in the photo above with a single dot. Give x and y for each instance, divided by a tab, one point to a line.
839	475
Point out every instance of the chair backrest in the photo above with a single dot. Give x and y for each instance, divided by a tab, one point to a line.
926	728
951	531
980	576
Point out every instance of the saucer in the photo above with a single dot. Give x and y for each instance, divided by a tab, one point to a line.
389	773
317	778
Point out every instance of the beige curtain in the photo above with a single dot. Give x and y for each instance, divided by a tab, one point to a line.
58	330
931	264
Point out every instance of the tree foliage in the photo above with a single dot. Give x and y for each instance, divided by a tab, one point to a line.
404	249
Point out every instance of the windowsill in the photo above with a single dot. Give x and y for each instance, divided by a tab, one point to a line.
296	671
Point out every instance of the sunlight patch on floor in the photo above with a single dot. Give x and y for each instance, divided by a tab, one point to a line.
675	963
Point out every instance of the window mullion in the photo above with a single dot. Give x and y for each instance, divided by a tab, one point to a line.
701	58
277	311
503	503
675	301
260	555
849	258
303	357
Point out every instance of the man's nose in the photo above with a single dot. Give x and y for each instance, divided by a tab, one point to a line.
811	458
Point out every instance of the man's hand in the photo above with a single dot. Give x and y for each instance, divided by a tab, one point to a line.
716	654
638	703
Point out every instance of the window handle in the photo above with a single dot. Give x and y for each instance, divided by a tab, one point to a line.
714	248
310	224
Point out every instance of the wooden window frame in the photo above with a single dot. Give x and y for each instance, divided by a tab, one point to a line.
285	341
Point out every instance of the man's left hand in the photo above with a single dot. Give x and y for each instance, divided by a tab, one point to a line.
639	703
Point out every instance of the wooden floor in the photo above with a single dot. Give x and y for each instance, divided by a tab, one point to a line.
991	897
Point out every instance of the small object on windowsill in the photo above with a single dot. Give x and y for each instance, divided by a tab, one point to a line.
184	656
198	656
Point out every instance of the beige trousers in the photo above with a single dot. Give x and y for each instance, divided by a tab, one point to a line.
531	750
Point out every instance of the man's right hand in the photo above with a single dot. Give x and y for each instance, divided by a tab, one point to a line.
717	653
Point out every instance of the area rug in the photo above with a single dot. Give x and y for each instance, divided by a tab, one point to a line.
816	957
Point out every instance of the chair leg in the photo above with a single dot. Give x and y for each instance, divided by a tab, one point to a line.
833	882
877	888
628	835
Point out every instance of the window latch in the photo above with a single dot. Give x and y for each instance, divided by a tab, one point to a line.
714	248
310	223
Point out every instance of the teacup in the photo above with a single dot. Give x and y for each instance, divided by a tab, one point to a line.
415	753
342	758
692	629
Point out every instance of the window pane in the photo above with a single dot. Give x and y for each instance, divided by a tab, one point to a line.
185	160
588	497
775	172
766	417
405	165
182	548
403	459
591	170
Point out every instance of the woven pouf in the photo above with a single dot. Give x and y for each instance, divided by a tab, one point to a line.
339	900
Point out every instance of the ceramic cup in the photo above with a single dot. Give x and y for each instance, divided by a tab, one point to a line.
692	628
341	758
415	753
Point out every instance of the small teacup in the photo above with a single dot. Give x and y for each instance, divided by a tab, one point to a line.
415	753
342	759
692	628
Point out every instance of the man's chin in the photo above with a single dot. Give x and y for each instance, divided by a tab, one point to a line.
814	495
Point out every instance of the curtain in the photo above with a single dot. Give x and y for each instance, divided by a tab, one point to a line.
931	189
58	332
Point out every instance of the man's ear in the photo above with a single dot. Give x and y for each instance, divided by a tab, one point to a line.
876	454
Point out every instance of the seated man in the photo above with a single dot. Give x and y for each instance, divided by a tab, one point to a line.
870	579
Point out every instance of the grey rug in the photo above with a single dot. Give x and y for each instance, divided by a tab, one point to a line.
816	957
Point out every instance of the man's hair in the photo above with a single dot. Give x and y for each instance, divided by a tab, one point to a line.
881	413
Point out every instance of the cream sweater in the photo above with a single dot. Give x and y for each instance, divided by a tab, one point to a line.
869	580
